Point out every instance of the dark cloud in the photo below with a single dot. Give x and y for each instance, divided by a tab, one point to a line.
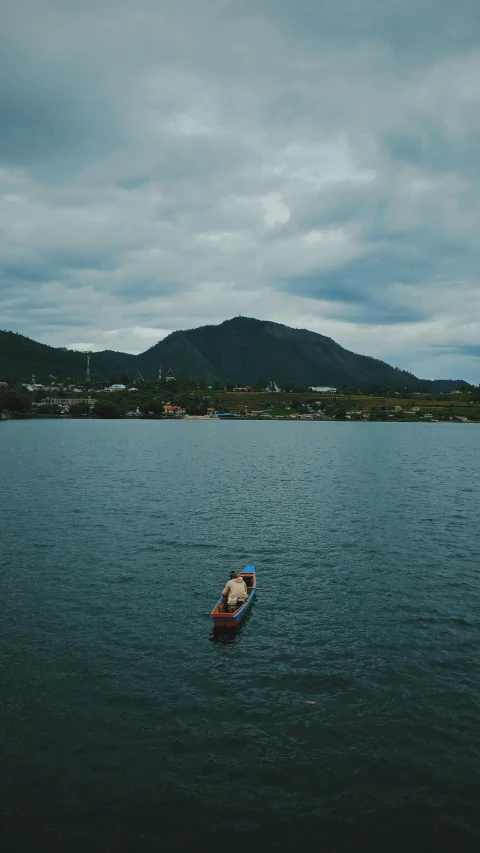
433	152
418	33
52	120
465	349
145	289
353	297
11	274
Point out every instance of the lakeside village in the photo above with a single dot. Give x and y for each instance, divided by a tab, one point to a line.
169	398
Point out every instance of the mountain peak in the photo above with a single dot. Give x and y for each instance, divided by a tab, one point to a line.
240	320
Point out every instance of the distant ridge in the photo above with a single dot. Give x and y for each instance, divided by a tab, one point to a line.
240	350
21	356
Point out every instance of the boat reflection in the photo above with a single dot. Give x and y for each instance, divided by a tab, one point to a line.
224	636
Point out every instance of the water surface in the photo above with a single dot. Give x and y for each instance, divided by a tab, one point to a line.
125	726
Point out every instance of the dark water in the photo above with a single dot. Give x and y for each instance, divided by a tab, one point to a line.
124	726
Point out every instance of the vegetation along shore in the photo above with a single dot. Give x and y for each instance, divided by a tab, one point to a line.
174	399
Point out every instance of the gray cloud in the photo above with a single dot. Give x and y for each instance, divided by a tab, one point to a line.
467	349
167	164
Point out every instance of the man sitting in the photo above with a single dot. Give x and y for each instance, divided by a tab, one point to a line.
235	591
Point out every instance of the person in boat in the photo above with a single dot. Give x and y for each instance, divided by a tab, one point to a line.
235	592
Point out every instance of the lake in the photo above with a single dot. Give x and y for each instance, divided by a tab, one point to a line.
344	716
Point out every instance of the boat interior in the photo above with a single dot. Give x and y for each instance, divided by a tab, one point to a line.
249	579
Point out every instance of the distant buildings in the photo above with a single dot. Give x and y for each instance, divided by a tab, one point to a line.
68	401
32	386
173	411
323	389
115	387
170	377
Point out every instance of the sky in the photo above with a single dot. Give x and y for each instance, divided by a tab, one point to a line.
164	165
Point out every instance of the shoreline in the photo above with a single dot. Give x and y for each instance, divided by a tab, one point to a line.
277	419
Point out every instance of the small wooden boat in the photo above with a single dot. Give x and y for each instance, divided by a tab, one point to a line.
220	615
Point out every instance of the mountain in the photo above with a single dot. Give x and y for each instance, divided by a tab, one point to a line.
20	357
242	350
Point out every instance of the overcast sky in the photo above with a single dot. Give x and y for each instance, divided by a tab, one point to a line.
166	164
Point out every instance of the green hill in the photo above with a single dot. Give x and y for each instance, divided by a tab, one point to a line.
248	351
241	351
20	357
